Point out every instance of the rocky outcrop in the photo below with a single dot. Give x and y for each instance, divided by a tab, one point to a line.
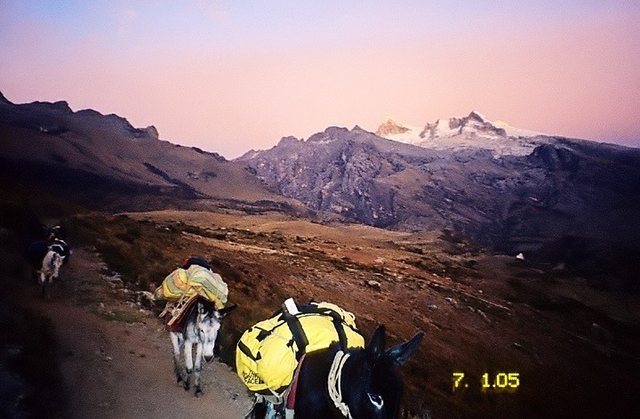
473	125
554	157
390	127
149	132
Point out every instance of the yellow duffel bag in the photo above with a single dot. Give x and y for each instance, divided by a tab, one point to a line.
267	354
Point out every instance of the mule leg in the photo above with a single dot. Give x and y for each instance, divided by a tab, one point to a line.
188	361
176	342
44	286
198	368
270	412
49	286
258	411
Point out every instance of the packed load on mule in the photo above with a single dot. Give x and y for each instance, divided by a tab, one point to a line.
47	254
192	280
321	369
268	353
51	238
195	308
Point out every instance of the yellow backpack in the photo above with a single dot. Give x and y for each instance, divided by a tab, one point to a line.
267	354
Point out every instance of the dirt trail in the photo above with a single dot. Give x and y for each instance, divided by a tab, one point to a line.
121	368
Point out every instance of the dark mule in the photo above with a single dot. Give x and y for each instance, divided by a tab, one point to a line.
198	328
35	252
357	384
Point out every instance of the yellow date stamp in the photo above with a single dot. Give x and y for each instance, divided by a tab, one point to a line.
488	381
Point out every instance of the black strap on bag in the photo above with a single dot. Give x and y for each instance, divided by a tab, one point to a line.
336	319
298	333
299	336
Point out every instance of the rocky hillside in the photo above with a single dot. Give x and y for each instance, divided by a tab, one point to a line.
564	197
103	161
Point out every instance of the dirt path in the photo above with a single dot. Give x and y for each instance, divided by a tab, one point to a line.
116	358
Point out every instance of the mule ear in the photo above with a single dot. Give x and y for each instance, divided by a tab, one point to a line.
223	312
376	345
401	353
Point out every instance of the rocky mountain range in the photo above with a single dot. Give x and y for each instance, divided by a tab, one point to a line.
566	199
102	161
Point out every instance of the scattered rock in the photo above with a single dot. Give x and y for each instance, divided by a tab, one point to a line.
560	267
528	351
114	280
432	307
519	346
483	315
145	299
452	301
374	285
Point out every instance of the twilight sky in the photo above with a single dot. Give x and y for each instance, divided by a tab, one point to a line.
229	76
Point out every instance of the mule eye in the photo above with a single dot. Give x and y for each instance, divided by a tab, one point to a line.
376	400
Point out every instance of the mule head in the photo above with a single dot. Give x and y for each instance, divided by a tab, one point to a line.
208	324
372	385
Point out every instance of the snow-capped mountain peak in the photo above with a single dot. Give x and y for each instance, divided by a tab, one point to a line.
472	131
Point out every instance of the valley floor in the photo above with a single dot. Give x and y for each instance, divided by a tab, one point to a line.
574	348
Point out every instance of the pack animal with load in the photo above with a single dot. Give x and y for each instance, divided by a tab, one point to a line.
46	256
311	362
196	306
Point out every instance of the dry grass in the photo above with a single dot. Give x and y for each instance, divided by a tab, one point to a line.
475	320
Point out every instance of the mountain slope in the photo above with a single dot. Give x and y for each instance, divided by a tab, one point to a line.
102	160
563	189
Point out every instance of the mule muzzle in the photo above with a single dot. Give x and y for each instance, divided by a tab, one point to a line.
208	358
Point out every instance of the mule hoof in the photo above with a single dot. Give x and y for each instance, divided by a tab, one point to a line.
198	392
186	386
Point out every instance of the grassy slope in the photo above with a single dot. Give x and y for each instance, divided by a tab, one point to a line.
574	353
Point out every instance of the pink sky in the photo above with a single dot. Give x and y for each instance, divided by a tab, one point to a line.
235	85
